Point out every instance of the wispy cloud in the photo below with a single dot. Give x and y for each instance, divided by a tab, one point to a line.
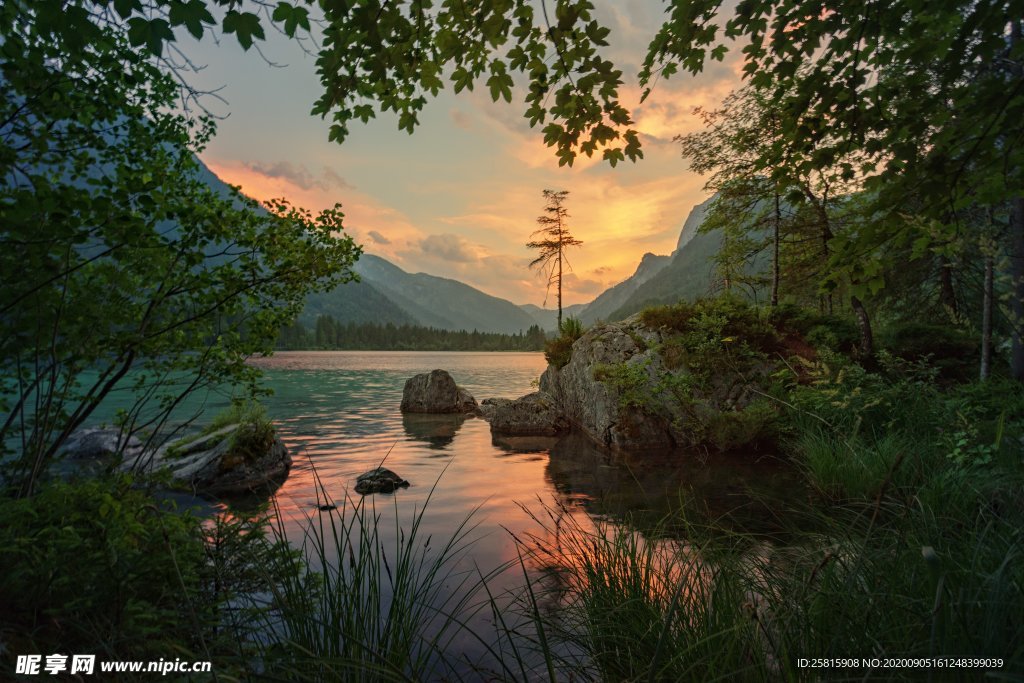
448	247
301	176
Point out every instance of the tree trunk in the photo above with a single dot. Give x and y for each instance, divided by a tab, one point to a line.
867	339
559	289
1016	250
775	251
986	318
826	237
947	295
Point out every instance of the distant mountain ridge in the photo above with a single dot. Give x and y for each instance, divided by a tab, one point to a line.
388	294
613	298
442	302
687	273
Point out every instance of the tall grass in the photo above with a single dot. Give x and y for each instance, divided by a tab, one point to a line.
363	606
737	608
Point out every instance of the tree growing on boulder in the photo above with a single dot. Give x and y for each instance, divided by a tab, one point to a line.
555	238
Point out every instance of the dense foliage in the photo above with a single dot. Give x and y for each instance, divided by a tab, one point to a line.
332	334
99	567
122	270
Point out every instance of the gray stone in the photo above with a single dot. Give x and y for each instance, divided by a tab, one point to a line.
436	392
379	480
96	443
489	406
652	417
535	414
594	406
233	478
207	464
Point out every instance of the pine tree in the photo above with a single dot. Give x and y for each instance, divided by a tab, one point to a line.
555	239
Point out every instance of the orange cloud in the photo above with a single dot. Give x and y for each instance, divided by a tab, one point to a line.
366	219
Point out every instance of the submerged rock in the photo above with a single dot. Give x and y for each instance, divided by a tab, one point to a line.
535	414
436	392
379	480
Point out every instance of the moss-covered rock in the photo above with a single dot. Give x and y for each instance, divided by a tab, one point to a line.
681	375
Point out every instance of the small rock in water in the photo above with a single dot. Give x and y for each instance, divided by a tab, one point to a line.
379	480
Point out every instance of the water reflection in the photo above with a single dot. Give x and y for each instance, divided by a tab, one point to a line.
438	431
741	491
524	444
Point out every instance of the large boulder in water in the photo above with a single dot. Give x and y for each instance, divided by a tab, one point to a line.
535	414
629	386
596	406
436	392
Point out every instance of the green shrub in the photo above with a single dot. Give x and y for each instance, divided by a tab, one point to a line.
558	351
253	438
672	316
99	567
724	319
572	327
950	349
729	430
833	333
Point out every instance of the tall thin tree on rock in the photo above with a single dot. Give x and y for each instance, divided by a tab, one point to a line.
551	240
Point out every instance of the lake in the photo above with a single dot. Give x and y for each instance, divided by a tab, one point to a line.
338	412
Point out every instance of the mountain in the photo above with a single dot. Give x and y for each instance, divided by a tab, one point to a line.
687	273
389	294
547	318
690	274
692	223
354	302
612	299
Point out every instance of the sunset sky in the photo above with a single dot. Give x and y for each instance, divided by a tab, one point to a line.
460	197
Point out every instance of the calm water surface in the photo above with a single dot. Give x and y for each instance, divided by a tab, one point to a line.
338	411
339	414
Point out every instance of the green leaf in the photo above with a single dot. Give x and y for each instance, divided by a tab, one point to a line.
193	15
245	25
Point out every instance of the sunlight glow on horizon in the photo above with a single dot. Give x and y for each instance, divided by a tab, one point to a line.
459	198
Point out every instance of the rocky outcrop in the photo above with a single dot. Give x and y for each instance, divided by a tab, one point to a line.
535	414
436	392
619	390
228	461
596	406
379	480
